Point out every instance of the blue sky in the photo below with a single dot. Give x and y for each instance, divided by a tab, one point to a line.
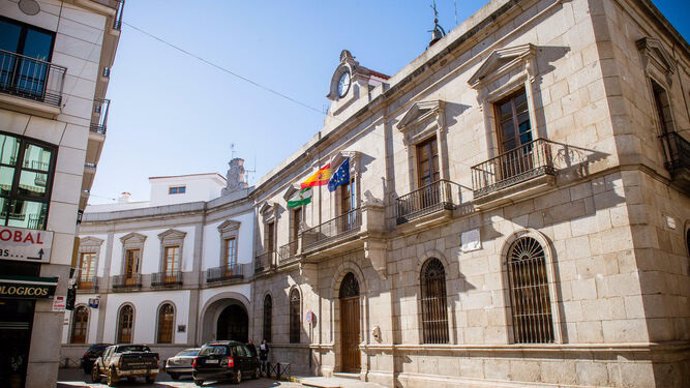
172	114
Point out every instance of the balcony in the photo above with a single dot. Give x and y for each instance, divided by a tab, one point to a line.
288	253
335	230
433	201
31	79
126	282
87	284
264	261
99	116
517	173
166	279
677	153
227	273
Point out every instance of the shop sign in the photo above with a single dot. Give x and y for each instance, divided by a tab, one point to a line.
27	287
25	244
59	303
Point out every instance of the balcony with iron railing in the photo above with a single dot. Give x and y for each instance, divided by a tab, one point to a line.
436	200
335	230
288	253
166	279
87	284
677	154
99	116
31	78
517	173
125	282
265	261
223	274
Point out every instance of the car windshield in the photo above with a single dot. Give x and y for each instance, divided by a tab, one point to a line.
134	348
213	350
187	353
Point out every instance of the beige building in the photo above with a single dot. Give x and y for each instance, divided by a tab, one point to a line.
55	60
515	211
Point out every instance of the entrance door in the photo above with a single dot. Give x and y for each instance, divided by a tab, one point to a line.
16	318
233	324
349	323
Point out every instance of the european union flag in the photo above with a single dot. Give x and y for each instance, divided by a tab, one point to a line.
341	176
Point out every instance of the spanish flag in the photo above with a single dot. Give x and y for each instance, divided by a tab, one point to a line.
319	178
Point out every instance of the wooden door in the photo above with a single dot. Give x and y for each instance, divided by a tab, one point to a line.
515	135
349	336
133	257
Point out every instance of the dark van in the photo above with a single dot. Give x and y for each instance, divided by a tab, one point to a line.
225	360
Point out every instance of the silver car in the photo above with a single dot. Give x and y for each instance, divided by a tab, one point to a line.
181	363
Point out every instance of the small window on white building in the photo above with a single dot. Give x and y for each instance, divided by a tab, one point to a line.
177	189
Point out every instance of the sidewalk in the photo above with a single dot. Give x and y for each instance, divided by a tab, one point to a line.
335	382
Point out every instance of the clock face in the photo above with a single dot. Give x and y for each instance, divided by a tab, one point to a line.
344	84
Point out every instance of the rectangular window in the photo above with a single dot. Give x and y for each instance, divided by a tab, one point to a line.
230	252
172	260
25	58
270	237
514	134
87	266
26	175
428	170
132	262
177	189
663	108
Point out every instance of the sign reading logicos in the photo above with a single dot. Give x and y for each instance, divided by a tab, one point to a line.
27	287
25	244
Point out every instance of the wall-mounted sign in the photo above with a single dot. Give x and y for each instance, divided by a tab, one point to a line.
470	240
25	244
181	328
93	302
59	303
27	287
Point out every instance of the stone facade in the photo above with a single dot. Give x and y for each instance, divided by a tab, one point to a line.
517	214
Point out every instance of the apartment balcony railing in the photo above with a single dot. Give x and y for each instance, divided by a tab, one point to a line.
677	154
228	272
31	78
288	252
431	198
126	281
264	261
99	118
173	278
87	284
333	229
529	161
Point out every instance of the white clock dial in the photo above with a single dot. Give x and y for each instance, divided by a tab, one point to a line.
344	84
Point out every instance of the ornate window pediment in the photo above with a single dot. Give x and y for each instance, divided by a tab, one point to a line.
518	60
172	234
657	62
133	238
422	120
228	226
269	211
90	242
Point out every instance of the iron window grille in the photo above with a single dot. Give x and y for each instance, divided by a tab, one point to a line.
434	303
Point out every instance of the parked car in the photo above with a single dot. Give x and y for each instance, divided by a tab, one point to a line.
181	363
92	353
125	361
225	360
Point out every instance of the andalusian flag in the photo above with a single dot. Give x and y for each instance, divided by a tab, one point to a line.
300	198
319	178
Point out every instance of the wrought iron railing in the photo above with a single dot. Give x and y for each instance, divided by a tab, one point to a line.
531	160
126	281
333	228
288	252
440	195
264	261
677	151
166	278
87	283
99	118
31	78
228	272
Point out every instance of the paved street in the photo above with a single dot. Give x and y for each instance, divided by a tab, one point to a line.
70	378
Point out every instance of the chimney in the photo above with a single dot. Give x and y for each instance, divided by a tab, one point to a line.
124	197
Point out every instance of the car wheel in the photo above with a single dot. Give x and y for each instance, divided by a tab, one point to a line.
174	376
112	377
95	374
238	377
199	382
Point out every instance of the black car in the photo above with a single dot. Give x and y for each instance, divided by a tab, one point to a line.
225	360
92	353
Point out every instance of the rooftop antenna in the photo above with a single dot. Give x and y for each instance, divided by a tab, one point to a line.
438	32
232	151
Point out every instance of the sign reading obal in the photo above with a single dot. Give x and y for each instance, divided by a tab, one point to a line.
27	287
25	244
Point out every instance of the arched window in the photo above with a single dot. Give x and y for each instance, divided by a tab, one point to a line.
268	317
80	325
294	316
529	292
125	324
434	304
166	318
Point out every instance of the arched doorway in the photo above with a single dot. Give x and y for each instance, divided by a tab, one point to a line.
233	324
349	323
